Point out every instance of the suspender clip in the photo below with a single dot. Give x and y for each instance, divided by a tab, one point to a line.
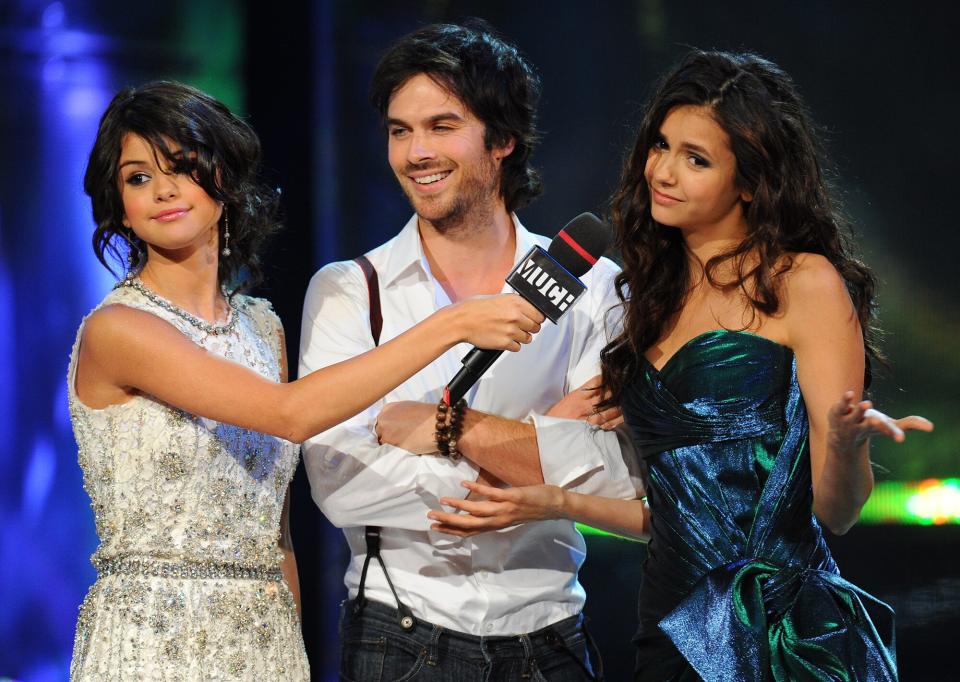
372	535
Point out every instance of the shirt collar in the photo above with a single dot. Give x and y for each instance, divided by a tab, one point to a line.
406	251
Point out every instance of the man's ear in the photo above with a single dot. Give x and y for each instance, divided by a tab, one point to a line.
504	150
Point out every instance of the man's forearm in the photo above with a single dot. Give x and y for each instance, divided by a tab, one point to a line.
505	447
565	452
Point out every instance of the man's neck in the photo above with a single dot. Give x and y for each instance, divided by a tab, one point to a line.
471	261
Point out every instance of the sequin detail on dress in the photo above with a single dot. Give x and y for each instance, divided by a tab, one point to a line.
187	510
739	583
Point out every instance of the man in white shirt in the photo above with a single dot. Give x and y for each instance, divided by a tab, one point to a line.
459	104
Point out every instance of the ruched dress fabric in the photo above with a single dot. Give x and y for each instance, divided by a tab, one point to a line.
738	583
188	514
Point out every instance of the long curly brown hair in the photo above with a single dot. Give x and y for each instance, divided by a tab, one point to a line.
778	161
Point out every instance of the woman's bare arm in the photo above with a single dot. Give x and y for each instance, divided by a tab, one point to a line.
125	351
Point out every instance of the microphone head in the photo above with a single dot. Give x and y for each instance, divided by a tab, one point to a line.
580	243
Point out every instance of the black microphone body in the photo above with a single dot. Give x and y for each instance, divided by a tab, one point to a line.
475	365
551	284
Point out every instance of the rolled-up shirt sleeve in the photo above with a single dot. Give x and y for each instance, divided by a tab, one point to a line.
587	459
354	480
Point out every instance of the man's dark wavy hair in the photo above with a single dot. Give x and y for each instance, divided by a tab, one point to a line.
197	135
779	160
489	76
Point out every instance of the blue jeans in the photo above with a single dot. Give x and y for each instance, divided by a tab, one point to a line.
374	648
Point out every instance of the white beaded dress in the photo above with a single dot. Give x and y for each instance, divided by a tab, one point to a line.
188	512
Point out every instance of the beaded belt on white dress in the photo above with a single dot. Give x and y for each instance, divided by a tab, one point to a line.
159	568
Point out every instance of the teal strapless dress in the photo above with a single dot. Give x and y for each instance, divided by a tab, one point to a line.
738	583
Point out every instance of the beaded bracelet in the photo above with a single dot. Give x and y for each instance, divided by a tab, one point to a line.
449	424
456	427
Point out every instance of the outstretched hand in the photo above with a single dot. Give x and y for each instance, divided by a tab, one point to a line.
502	508
853	423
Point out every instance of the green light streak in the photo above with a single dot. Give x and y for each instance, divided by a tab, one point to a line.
923	503
906	503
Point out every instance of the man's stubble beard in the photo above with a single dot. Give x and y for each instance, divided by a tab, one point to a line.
473	206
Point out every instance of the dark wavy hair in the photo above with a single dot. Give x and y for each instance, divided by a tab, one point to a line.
778	160
489	76
195	134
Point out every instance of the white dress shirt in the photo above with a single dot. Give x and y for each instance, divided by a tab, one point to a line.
508	582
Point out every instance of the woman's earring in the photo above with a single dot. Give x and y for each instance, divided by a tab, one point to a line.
226	232
134	256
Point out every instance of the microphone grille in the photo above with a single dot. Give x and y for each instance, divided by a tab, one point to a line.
580	243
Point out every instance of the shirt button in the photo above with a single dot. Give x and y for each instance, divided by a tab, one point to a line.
489	627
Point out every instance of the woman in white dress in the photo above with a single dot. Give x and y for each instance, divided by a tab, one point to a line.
187	432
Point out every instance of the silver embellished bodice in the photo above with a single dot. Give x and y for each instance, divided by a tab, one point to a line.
188	509
172	485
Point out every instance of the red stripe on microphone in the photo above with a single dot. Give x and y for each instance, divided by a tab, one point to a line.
576	247
446	395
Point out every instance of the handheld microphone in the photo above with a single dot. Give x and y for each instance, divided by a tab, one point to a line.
549	280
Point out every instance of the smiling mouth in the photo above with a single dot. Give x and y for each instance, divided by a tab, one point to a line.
664	197
171	215
430	179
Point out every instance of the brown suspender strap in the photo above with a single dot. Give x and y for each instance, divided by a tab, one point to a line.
373	291
372	533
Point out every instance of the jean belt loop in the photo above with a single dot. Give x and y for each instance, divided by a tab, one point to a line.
528	659
433	650
593	653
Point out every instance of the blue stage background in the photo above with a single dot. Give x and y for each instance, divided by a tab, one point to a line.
879	79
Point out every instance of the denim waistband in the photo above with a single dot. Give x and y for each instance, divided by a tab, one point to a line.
551	636
565	638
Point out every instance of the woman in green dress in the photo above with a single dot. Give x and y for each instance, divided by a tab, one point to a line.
746	346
